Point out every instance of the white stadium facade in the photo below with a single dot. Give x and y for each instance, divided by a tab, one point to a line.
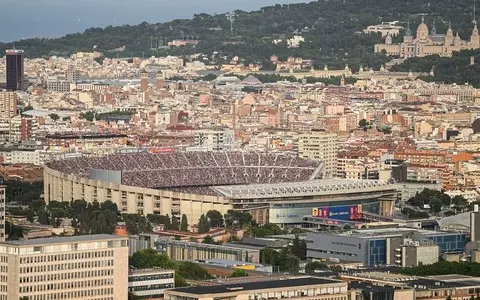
274	188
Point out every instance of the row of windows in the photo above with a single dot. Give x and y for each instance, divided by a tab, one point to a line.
60	257
149	277
151	287
332	252
66	285
65	276
92	294
68	266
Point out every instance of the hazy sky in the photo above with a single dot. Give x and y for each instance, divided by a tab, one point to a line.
48	18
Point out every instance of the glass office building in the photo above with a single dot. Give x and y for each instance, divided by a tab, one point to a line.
15	80
376	246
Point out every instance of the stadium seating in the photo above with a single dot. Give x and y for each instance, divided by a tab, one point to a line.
194	171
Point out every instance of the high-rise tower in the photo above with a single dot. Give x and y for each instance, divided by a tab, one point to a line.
14	70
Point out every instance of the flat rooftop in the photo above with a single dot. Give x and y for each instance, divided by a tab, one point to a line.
64	240
385	232
250	286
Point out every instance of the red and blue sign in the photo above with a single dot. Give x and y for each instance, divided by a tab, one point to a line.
346	212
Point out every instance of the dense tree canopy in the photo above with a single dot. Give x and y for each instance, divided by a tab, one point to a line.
150	258
456	69
332	30
445	267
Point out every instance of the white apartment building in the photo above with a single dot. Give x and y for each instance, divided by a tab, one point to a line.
17	129
22	156
78	267
320	145
150	283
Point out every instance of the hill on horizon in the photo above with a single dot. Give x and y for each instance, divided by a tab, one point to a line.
332	30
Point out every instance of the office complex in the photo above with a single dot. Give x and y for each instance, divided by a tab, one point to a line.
192	183
308	288
8	104
181	250
320	145
78	267
388	246
150	283
15	80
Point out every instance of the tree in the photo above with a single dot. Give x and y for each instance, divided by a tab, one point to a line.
299	248
311	267
208	240
175	225
203	225
215	218
239	273
184	223
238	219
363	123
149	258
54	117
266	230
436	205
460	203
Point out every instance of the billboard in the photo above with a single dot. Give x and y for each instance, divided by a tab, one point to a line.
346	212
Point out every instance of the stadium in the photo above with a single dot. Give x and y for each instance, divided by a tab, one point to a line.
274	188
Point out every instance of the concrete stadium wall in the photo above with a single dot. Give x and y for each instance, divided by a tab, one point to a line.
60	186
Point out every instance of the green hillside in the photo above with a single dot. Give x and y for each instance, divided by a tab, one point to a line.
332	29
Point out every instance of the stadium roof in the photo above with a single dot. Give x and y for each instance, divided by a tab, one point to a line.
303	188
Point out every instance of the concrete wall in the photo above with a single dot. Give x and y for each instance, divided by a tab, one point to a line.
325	246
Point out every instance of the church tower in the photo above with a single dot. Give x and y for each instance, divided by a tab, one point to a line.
434	29
449	36
408	37
475	38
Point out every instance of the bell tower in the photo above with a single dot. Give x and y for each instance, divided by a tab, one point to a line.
475	38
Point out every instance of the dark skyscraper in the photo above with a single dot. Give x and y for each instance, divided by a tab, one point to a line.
14	70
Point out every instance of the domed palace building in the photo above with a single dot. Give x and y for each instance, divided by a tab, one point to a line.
429	42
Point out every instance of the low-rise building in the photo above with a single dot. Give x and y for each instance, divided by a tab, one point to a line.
150	283
180	250
308	288
379	246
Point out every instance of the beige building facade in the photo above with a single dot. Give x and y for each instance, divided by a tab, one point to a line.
428	42
79	267
130	199
320	145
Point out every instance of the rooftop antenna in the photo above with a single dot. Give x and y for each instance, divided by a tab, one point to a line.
231	18
474	11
